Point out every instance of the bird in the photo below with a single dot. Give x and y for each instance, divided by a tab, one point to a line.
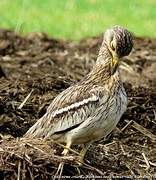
90	109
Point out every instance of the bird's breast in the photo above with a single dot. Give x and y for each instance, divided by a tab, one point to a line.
111	113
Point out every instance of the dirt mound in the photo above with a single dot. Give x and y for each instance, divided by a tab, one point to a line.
34	69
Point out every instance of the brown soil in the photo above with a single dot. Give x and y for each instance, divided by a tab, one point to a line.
42	67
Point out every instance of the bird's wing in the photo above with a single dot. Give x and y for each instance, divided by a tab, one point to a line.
67	111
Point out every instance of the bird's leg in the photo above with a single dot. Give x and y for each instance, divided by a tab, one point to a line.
66	149
61	165
83	153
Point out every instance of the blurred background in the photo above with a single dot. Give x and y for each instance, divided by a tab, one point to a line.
77	19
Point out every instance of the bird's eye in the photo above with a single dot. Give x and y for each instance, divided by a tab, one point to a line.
112	46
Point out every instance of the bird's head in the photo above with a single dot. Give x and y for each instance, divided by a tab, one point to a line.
119	43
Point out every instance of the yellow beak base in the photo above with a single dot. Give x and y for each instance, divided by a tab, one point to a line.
115	62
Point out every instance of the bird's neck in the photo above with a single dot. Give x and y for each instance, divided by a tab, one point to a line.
101	72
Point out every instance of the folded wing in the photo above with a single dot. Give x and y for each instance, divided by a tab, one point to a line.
67	111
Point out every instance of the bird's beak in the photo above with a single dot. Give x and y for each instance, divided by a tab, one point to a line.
114	64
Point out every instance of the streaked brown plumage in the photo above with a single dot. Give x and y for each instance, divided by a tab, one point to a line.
92	108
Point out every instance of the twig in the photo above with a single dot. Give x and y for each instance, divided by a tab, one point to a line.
87	166
23	171
27	158
59	171
146	160
133	174
151	163
1	149
153	121
103	146
111	143
71	158
93	169
123	129
12	153
122	149
25	100
3	86
34	147
19	170
154	115
143	130
131	107
66	147
31	175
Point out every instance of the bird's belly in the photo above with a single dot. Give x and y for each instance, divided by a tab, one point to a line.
105	128
99	128
88	134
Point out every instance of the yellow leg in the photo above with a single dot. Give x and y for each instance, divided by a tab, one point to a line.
83	153
66	150
61	165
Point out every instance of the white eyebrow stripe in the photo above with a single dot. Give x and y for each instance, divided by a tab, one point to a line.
93	98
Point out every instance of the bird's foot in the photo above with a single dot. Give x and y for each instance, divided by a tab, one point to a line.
82	155
65	152
66	148
80	159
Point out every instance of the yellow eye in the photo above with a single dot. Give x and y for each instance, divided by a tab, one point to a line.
112	46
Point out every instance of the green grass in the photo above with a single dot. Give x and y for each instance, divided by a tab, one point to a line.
76	19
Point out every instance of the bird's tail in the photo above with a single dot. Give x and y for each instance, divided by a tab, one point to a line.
38	130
